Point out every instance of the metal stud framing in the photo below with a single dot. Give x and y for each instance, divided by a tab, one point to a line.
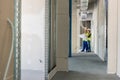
17	41
47	3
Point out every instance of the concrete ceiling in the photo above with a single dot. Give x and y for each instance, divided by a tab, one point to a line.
92	1
84	5
78	5
88	11
78	1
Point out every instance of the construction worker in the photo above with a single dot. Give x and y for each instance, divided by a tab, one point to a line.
84	40
89	40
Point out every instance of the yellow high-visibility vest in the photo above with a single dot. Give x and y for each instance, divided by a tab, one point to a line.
89	36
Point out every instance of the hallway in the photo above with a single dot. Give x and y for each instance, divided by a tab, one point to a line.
87	63
82	76
85	66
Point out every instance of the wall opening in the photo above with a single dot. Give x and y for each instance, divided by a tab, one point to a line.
94	17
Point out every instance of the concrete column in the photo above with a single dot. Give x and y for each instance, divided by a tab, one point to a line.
118	57
78	30
101	29
74	27
62	16
112	36
94	26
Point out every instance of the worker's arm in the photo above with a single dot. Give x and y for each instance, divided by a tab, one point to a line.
89	29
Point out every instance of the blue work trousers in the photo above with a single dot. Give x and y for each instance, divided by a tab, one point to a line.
85	46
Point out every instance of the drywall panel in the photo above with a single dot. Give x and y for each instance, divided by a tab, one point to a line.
33	39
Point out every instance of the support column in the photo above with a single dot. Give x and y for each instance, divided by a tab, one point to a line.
118	57
78	30
94	27
62	17
74	27
112	36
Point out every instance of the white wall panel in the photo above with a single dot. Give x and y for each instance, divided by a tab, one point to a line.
33	39
118	57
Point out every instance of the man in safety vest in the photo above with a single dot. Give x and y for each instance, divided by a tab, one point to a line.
89	40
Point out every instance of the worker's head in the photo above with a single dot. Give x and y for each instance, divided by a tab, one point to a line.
85	30
88	31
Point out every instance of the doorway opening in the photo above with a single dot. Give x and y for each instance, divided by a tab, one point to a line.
88	15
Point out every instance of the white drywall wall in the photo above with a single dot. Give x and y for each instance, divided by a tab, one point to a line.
112	36
118	64
33	33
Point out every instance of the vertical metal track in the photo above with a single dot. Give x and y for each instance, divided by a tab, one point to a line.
17	41
47	24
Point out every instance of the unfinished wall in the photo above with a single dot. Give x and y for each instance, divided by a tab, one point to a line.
6	11
62	17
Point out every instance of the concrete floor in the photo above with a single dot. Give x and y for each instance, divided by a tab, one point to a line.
82	76
87	63
32	75
85	66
